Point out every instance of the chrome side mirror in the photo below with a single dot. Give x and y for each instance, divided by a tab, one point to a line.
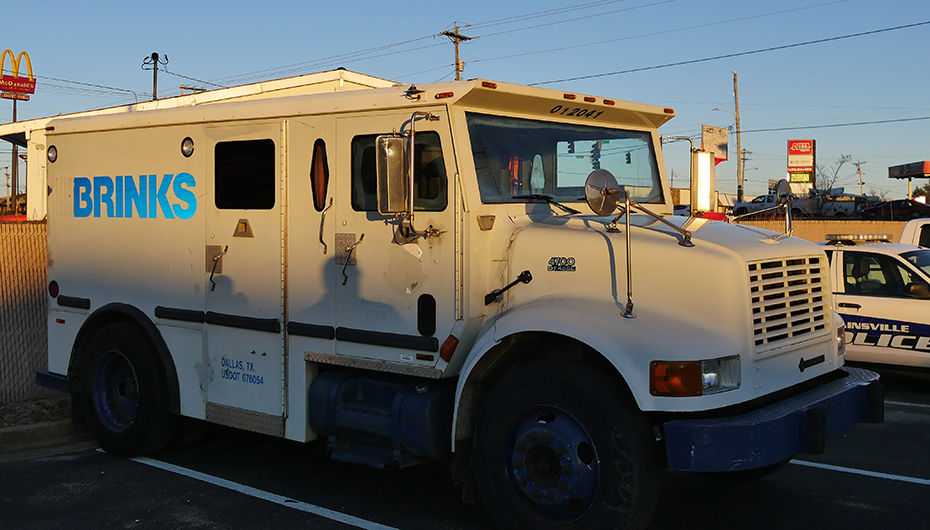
391	163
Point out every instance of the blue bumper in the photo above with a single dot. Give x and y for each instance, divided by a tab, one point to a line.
799	424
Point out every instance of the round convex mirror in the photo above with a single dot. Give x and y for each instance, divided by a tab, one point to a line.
782	191
602	192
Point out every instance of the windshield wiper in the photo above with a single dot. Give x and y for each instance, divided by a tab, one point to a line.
547	199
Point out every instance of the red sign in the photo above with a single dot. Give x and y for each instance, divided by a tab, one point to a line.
15	95
800	147
801	156
14	83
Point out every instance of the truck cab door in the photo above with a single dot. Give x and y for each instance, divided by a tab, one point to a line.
395	303
244	336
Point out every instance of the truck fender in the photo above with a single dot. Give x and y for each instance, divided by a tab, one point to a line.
600	333
118	311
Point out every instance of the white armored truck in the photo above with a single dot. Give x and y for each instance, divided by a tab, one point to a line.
413	273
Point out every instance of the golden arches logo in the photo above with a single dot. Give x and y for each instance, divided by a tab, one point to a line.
14	83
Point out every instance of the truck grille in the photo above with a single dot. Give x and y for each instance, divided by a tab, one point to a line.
789	301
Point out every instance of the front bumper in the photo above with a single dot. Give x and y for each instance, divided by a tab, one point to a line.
799	424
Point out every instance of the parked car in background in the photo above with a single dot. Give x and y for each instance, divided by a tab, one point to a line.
899	209
882	291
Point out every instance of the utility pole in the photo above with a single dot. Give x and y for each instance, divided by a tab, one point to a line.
858	164
457	38
152	62
739	148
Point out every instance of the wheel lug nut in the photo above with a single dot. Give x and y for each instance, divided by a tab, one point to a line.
521	446
533	437
560	451
523	482
547	439
550	495
566	469
562	486
536	494
518	463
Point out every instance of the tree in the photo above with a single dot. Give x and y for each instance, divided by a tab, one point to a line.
923	190
826	177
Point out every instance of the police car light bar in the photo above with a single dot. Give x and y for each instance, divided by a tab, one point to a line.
887	238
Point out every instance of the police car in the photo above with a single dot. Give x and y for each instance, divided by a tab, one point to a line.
882	291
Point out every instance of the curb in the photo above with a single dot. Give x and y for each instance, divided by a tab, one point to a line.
38	435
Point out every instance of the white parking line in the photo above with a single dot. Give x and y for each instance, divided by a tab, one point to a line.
906	404
264	495
875	474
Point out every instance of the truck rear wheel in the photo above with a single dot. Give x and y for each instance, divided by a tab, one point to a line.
124	394
558	445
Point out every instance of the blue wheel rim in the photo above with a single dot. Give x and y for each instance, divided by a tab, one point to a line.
552	462
115	392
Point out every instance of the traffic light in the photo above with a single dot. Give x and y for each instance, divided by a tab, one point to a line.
571	147
628	161
596	155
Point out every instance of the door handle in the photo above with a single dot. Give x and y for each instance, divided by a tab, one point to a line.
349	250
849	305
322	218
216	259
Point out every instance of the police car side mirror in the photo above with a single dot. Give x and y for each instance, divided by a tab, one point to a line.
391	162
917	290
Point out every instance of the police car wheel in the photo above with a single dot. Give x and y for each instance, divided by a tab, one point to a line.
124	393
557	445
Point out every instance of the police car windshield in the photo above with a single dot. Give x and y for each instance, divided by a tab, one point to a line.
919	259
516	158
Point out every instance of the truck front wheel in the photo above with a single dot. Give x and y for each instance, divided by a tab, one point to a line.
557	445
124	394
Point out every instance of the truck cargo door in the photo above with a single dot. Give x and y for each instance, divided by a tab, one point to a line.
310	254
395	303
244	293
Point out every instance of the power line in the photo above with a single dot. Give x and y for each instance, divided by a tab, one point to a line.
731	55
851	124
644	35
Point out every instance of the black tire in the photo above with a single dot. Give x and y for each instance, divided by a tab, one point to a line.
558	445
124	392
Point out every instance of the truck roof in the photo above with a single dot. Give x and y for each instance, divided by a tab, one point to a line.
479	94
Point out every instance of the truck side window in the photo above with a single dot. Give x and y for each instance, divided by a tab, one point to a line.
244	175
429	174
319	175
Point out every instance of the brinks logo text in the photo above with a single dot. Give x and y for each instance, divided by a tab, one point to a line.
143	196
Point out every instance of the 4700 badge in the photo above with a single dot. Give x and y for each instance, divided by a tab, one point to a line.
561	265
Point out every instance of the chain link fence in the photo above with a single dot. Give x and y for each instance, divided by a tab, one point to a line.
23	308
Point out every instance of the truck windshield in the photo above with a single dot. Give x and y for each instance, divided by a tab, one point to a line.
517	157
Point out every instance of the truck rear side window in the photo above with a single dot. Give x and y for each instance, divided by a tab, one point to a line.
429	174
244	175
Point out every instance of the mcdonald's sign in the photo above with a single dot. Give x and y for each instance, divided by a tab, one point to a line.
14	83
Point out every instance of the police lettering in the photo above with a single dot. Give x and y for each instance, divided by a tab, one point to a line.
146	195
888	340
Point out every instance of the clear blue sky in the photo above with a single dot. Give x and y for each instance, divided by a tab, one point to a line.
879	76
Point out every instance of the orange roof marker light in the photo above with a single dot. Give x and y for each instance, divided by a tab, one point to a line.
444	95
488	84
569	96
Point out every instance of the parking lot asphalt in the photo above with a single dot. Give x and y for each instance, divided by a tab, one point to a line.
872	476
